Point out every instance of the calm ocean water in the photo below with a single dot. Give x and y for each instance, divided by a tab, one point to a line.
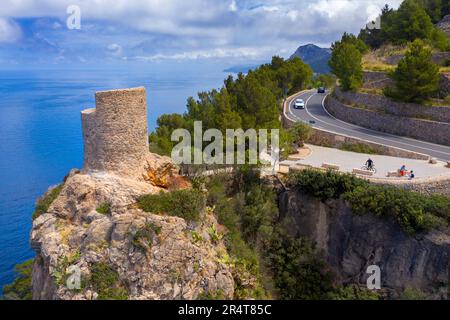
40	133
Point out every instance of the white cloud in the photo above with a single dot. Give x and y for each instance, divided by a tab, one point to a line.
115	50
9	31
195	29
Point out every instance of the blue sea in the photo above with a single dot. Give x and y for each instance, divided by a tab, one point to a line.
40	131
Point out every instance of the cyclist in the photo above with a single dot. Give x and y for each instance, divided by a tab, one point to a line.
370	164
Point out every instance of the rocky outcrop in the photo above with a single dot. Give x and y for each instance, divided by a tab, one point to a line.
93	241
351	243
72	233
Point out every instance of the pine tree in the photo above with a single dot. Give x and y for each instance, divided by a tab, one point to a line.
416	76
346	64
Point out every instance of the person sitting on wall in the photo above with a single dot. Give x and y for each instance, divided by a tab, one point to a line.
402	171
411	175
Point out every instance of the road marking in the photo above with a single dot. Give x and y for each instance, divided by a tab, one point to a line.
388	134
349	130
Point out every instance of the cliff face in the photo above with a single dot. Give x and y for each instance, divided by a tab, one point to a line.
173	265
351	243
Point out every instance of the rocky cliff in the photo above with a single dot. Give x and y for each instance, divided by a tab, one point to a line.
92	241
172	265
351	243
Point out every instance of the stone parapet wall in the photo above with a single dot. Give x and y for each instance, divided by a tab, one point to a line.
115	134
431	131
429	186
381	103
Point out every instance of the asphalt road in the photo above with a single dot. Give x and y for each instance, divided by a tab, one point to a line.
315	111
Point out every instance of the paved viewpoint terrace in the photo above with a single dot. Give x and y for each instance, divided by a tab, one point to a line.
350	160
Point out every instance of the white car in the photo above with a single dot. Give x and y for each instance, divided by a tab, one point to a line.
299	104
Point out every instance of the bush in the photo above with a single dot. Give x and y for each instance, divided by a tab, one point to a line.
21	288
42	204
298	272
186	204
300	132
413	212
105	281
143	238
329	185
104	208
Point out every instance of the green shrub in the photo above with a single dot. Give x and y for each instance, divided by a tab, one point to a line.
412	294
329	185
352	292
413	211
357	147
186	204
300	132
299	273
20	289
143	238
105	281
42	204
104	208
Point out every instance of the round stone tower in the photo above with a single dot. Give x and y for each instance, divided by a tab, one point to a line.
115	133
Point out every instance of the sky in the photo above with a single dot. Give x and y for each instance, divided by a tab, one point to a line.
35	32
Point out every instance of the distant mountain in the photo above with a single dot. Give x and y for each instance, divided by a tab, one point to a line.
315	56
241	68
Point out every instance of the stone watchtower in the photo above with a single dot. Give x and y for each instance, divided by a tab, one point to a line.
115	133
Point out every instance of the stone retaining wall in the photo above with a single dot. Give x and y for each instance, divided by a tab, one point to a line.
333	140
439	58
432	131
376	80
380	103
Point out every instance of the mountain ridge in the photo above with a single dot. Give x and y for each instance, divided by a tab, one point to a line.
316	57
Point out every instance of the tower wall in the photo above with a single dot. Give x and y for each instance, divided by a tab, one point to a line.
115	134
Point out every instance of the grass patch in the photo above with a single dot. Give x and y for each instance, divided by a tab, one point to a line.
104	208
105	281
187	204
43	203
357	147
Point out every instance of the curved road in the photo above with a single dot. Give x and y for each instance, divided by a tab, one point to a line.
316	112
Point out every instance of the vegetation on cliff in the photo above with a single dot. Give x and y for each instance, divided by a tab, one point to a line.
186	204
414	212
20	289
42	204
